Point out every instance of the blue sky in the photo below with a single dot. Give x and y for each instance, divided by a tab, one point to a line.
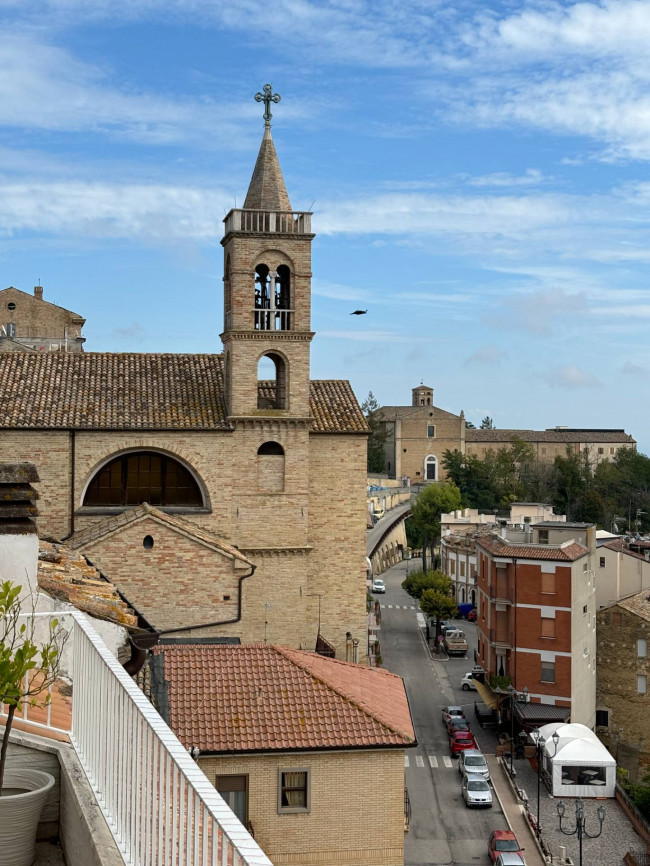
478	173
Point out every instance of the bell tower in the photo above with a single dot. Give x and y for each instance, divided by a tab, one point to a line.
267	293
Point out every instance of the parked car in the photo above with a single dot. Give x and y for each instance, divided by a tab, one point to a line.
450	711
471	616
472	762
504	842
476	791
467	682
457	723
510	860
459	741
378	585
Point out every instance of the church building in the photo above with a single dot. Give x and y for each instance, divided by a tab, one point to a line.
213	493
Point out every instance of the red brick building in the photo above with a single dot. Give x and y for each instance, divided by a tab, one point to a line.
536	613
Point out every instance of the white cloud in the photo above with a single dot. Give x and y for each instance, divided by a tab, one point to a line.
486	355
539	311
532	177
570	376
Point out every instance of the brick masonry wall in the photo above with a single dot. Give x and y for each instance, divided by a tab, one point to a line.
352	821
37	318
618	667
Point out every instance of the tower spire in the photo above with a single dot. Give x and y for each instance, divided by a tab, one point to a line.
267	190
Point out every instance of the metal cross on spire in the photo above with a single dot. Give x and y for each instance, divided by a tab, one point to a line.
267	97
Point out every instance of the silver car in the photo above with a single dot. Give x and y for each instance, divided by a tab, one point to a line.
476	791
471	762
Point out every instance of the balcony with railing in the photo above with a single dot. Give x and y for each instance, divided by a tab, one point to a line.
500	592
272	320
158	804
268	222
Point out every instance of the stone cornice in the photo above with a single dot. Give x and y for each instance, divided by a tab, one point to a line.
265	336
289	236
253	422
258	552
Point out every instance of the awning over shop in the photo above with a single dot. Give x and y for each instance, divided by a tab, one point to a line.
531	715
489	698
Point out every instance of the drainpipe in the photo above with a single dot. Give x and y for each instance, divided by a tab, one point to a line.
142	643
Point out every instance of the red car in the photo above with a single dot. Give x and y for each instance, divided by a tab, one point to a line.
457	723
461	740
502	841
471	616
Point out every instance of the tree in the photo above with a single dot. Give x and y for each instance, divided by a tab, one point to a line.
487	423
377	438
27	672
419	581
433	501
469	425
438	605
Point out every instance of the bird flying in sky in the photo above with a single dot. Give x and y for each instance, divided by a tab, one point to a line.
359	313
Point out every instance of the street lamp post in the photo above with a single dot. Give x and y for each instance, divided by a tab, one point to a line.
512	692
580	828
540	742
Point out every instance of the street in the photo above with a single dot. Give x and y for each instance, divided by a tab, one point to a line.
443	830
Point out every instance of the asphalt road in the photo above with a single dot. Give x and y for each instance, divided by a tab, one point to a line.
443	830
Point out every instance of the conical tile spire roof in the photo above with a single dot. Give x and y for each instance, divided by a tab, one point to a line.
267	190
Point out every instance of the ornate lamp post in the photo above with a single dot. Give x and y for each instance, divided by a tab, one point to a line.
580	828
512	692
540	742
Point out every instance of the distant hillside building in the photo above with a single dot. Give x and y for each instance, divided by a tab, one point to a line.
418	435
29	323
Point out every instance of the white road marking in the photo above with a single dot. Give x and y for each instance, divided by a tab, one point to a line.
406	760
433	761
447	761
421	622
390	606
419	760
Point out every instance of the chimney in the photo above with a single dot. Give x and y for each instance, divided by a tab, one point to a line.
18	536
528	536
503	524
38	292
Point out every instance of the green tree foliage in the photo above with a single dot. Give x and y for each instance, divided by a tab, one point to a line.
419	581
377	438
432	501
438	605
28	668
487	423
605	493
469	425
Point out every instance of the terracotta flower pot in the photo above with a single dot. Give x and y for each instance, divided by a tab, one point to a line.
23	796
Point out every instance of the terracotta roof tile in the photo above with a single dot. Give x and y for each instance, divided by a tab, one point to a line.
639	604
568	553
113	391
68	576
268	698
560	436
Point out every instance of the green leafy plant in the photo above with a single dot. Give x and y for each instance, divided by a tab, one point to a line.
28	668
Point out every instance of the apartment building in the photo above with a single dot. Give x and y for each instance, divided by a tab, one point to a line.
461	528
537	612
623	569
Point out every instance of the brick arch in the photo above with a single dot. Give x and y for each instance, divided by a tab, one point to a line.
273	258
174	454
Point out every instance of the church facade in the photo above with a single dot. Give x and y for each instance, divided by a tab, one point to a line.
236	463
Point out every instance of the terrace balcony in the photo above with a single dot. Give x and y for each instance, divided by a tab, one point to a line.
114	756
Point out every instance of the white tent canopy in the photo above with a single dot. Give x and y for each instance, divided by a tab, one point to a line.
579	765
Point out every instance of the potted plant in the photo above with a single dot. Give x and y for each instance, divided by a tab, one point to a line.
28	669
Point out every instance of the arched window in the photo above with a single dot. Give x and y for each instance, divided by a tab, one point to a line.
272	298
431	467
144	476
270	467
272	385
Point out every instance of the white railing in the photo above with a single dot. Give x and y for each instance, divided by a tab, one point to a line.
272	320
264	221
160	807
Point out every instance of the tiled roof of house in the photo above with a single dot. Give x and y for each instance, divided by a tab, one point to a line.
113	391
639	603
621	546
83	537
550	436
567	553
68	576
396	413
271	698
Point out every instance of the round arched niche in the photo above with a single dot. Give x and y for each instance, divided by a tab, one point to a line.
270	467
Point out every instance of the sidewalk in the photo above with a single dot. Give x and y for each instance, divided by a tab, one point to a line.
514	813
